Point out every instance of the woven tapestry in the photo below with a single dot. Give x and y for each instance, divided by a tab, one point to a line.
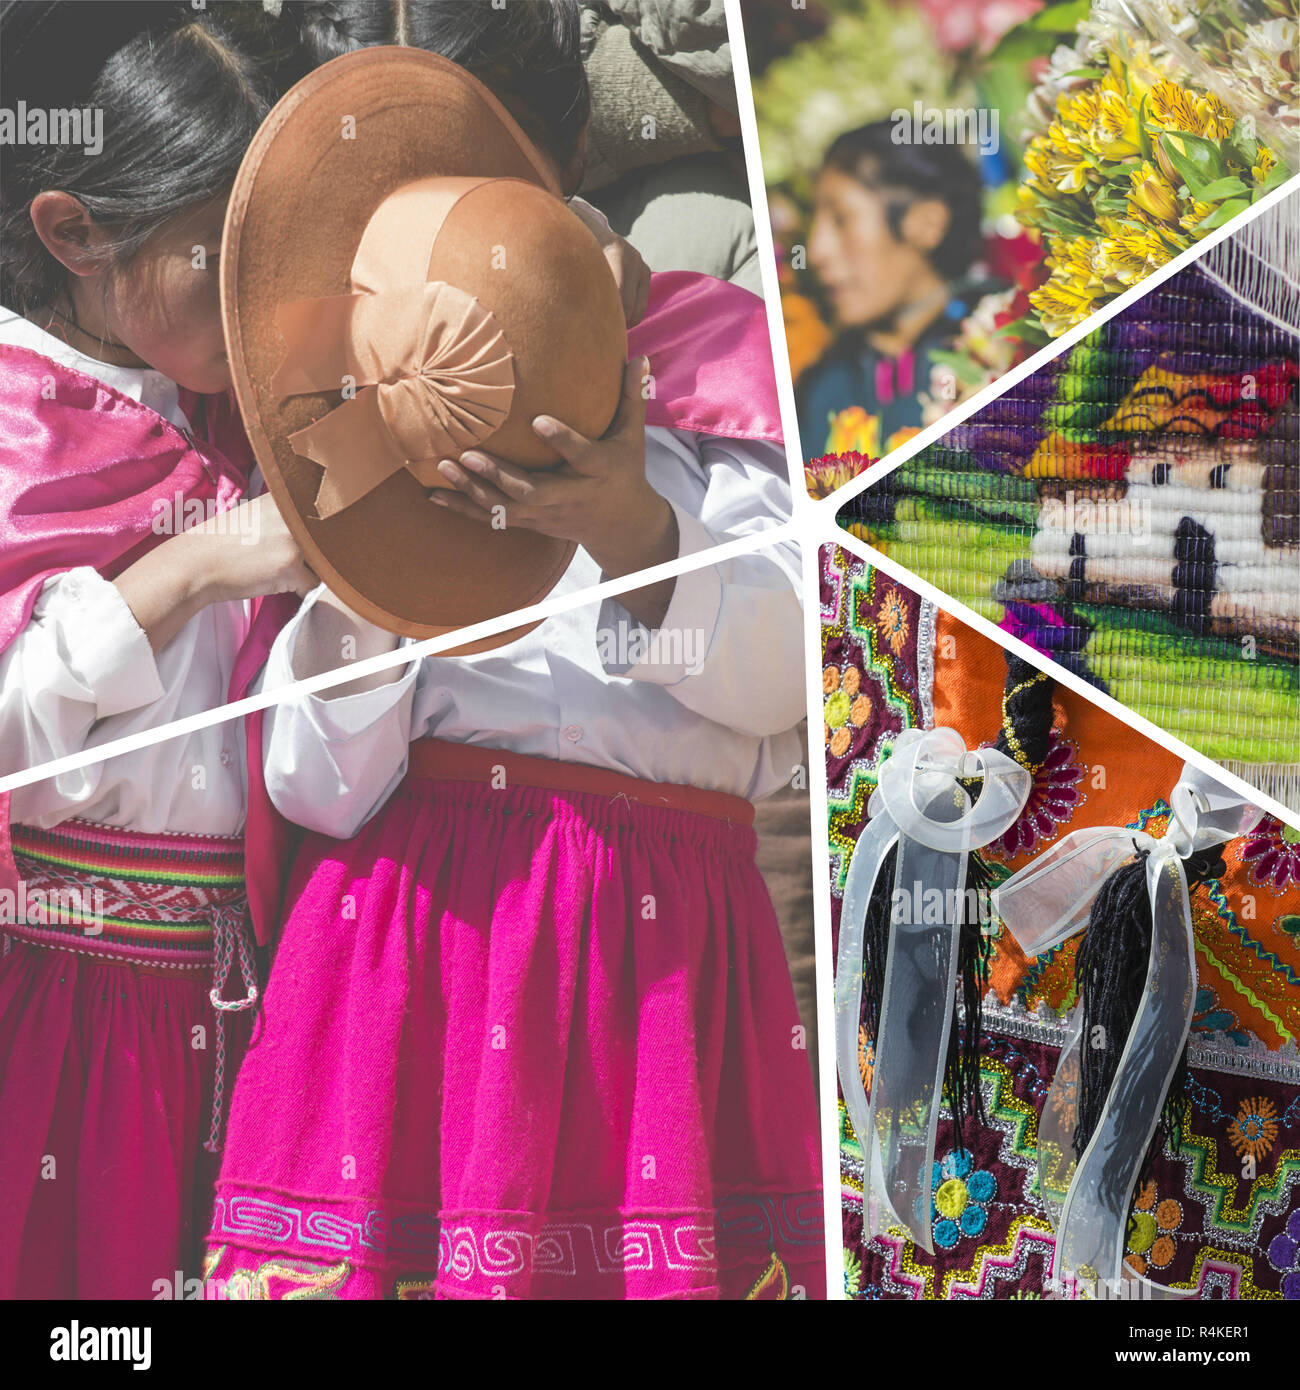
1131	510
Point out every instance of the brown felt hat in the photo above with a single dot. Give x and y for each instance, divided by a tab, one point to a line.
401	281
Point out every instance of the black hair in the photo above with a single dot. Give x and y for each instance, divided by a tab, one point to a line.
905	172
181	97
525	50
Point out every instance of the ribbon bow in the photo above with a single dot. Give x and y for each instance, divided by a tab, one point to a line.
1042	906
921	805
435	372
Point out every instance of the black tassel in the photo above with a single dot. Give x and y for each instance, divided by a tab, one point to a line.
1110	970
962	1067
962	1070
875	943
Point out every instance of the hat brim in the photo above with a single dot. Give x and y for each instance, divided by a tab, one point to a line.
330	152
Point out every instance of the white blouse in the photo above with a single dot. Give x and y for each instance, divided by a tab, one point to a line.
714	704
82	673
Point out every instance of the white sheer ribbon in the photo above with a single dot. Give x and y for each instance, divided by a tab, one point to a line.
1042	906
920	805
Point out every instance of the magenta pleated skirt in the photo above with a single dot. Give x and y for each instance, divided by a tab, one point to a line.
109	1060
525	1041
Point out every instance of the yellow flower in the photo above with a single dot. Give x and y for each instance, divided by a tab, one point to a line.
1074	261
1265	163
1056	161
1062	303
1133	73
1079	108
1195	215
1215	122
1129	251
854	431
1153	194
1114	134
1172	107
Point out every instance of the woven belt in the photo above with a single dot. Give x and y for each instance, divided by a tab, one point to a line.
166	901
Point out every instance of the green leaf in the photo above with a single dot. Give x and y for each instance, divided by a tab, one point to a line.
1225	212
1199	162
1061	18
1244	147
1231	187
1144	135
1276	179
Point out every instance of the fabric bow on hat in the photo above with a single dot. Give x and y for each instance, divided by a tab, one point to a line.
435	372
1088	1195
921	805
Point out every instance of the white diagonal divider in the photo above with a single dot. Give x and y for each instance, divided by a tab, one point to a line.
1044	355
856	546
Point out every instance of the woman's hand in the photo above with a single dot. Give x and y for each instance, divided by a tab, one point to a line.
630	271
598	497
245	552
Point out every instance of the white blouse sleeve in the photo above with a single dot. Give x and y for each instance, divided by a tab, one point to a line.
82	657
330	764
730	647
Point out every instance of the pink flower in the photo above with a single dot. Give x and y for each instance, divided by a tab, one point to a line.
959	25
1052	799
1273	853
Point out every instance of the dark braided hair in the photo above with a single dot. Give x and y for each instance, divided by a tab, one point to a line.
1027	714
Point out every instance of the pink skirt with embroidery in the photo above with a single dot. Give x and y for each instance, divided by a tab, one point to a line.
526	1043
109	1059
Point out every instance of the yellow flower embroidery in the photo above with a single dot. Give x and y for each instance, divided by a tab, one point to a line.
846	709
303	1280
1151	1231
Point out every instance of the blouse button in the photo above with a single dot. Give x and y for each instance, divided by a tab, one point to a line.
574	733
225	757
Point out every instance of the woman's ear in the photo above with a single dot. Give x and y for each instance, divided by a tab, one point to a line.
68	232
926	223
575	170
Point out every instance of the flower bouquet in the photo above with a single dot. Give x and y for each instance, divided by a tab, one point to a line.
1141	159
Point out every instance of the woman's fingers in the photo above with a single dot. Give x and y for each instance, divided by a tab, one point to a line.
472	486
508	478
589	456
462	506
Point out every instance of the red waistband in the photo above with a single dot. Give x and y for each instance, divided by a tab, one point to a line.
434	758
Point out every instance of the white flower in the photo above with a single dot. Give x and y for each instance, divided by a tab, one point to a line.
1265	51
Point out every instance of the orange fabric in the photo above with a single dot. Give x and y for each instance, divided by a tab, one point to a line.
465	762
1248	949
